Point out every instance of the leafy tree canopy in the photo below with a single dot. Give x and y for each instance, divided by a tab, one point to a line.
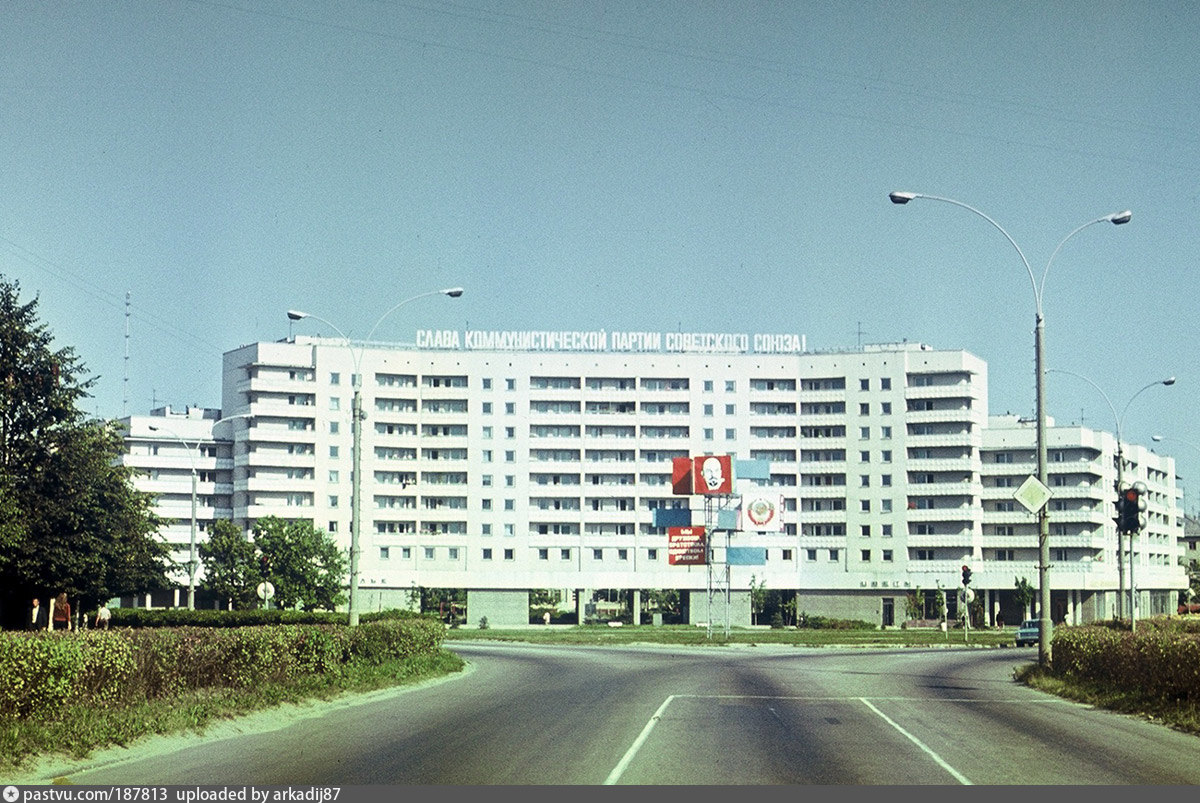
70	518
304	564
231	569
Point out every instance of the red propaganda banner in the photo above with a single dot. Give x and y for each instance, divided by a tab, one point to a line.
686	546
713	474
681	476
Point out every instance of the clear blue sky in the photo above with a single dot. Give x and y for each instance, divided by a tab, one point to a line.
616	165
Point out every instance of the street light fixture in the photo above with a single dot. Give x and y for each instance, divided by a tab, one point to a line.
1115	218
356	438
1118	486
192	562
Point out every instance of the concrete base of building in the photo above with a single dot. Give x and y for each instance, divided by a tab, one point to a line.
701	610
372	600
500	608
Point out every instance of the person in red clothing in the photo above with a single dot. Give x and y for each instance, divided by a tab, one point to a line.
61	618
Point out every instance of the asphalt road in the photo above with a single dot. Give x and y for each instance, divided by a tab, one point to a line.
536	715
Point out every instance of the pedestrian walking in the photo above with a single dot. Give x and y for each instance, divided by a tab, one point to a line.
103	617
60	612
37	619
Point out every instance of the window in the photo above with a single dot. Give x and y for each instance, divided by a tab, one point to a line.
406	552
1060	555
622	554
864	384
333	501
333	475
428	553
708	386
487	408
924	554
864	433
864	480
335	378
864	456
834	554
885	480
810	554
864	409
597	554
487	504
729	434
730	386
729	409
787	554
335	403
652	554
510	384
708	409
487	385
708	434
864	505
886	530
886	408
865	530
885	433
885	383
543	554
565	554
384	553
333	427
333	451
865	556
1005	554
332	527
887	556
487	553
508	554
487	529
452	553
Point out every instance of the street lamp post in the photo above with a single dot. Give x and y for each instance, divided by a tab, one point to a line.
356	414
1118	486
1116	218
192	562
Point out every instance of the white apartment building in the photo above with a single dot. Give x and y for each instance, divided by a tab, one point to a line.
504	462
169	448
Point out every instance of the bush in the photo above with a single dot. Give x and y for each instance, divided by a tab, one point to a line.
1161	660
806	621
45	673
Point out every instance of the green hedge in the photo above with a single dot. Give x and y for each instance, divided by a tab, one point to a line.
1161	660
182	617
47	672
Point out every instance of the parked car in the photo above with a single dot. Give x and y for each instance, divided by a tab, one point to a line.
1029	633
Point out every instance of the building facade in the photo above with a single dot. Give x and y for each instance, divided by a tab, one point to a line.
505	462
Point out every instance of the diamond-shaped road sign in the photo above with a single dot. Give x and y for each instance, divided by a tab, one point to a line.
1033	494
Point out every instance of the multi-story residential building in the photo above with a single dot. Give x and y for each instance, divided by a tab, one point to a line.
181	457
504	462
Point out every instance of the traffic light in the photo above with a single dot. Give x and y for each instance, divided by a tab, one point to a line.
1129	509
966	580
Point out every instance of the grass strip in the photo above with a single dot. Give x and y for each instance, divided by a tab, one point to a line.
1182	715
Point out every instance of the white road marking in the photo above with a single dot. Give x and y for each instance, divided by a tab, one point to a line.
623	764
958	776
619	770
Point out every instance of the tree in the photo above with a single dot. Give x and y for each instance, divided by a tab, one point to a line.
70	518
758	597
231	570
914	604
1024	595
304	564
